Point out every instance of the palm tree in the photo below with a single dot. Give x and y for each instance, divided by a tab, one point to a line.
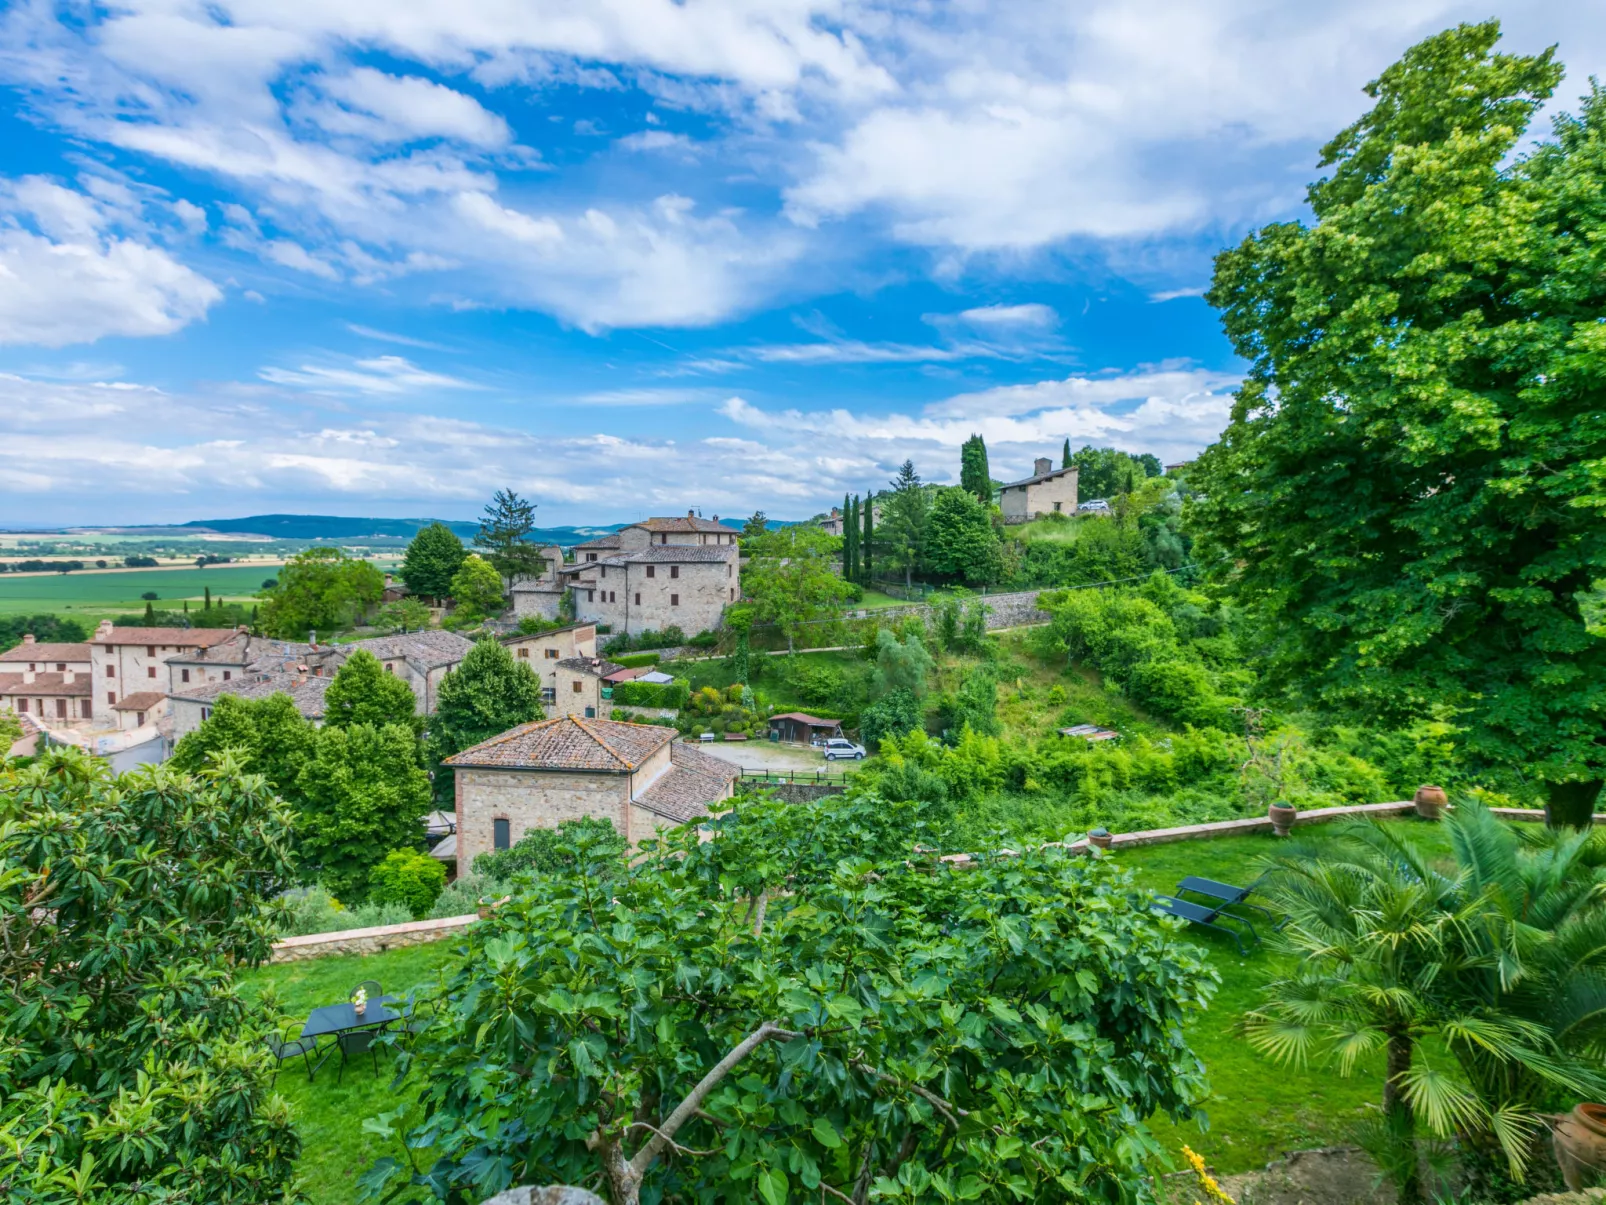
1493	961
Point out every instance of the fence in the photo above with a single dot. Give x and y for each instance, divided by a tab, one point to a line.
820	778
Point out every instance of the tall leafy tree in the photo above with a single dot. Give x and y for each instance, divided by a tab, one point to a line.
974	473
432	559
363	693
904	521
362	795
961	544
320	590
756	526
504	535
43	628
478	589
794	583
1409	496
483	697
265	736
131	1067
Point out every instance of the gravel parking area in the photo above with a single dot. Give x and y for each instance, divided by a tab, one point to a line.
762	755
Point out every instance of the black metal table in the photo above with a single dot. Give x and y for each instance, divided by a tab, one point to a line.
339	1018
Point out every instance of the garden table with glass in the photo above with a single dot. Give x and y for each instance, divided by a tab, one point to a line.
337	1019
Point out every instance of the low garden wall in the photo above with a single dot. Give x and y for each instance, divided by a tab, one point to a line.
388	937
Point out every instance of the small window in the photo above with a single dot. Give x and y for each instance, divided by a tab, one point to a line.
390	667
650	571
32	667
733	594
674	600
139	718
61	667
525	653
591	596
183	675
227	674
613	596
664	538
150	671
674	571
500	836
578	687
604	572
591	713
549	694
111	696
730	570
86	710
638	598
551	654
591	556
22	706
150	650
206	714
111	671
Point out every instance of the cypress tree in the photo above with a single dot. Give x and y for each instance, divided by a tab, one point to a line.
207	605
850	538
868	551
1065	458
150	615
975	476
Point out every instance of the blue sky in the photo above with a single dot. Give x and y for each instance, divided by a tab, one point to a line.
634	256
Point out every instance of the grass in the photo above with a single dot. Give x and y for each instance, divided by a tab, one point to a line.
335	1149
765	676
1049	531
89	593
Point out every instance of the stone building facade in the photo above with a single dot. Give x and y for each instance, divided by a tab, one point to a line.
543	651
538	775
645	577
1047	491
49	682
133	661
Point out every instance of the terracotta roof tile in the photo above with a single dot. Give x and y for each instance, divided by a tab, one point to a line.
569	743
304	691
187	638
685	523
46	652
45	685
594	666
684	791
140	700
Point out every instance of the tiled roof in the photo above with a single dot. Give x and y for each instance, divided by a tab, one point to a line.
428	650
685	523
569	743
246	649
140	700
611	540
46	652
596	667
305	692
663	554
46	685
518	637
188	638
803	717
683	792
1013	485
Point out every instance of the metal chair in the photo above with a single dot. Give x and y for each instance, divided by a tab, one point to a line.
353	1042
371	986
287	1048
413	1021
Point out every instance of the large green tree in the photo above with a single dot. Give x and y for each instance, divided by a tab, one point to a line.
961	544
1411	494
132	1069
432	560
974	473
802	1003
483	697
795	582
267	737
320	590
362	795
478	589
363	693
504	536
904	521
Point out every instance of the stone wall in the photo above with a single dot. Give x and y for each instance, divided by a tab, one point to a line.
531	799
374	940
1012	610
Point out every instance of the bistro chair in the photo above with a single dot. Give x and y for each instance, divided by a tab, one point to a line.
354	1042
371	986
287	1048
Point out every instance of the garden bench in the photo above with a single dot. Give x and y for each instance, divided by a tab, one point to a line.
1207	918
1225	894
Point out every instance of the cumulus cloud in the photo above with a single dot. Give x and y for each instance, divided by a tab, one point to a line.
74	269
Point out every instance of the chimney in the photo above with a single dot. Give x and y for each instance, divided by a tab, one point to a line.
27	638
69	677
103	630
691	514
27	677
1043	465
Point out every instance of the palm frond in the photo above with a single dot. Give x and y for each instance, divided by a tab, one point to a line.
1442	1103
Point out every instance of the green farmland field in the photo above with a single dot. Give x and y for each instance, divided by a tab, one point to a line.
91	594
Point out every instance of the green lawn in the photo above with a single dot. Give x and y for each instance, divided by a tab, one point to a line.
334	1147
1258	1109
89	594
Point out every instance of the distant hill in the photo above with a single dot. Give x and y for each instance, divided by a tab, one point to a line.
339	527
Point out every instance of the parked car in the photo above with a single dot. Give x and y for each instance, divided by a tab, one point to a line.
1094	505
837	749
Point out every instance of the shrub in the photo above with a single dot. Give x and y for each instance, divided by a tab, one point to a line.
629	660
314	910
894	714
465	894
150	596
543	850
653	694
409	878
704	640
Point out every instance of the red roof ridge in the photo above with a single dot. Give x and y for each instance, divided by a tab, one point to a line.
601	740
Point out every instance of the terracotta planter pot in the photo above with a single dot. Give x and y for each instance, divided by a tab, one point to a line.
1100	837
1430	801
1282	817
1580	1145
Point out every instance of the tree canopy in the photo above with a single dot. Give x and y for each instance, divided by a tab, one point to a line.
974	473
1409	496
267	737
504	536
320	590
677	1029
483	697
903	522
363	693
794	581
961	544
431	561
478	589
131	1068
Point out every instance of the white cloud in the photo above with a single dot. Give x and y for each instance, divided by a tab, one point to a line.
387	108
1170	380
659	140
387	375
991	317
1173	294
69	275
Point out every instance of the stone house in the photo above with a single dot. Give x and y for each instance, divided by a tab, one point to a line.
542	651
48	682
420	659
578	686
541	774
1047	491
191	707
133	661
833	524
645	577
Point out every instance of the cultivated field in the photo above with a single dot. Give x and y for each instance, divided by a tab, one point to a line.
89	594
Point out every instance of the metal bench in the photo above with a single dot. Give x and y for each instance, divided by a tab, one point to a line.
1225	894
1198	914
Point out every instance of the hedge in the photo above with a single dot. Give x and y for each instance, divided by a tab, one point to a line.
629	660
653	694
